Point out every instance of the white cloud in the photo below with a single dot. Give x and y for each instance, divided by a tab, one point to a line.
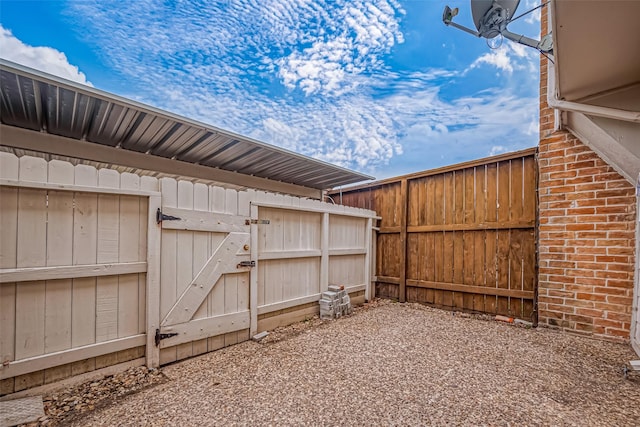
362	33
41	58
497	149
499	58
509	57
309	76
533	17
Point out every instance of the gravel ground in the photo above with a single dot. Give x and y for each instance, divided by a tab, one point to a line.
392	364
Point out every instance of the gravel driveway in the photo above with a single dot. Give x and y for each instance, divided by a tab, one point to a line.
393	364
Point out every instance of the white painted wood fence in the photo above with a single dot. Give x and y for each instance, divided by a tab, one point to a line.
86	270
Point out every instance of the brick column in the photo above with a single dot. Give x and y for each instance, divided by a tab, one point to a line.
586	246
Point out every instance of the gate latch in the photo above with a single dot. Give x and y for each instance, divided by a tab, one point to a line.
256	221
246	264
160	336
162	217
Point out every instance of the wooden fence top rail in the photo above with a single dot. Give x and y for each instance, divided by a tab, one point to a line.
458	166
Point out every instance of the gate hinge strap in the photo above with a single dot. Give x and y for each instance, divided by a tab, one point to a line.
160	336
162	217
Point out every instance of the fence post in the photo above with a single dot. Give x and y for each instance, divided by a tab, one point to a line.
153	282
324	250
253	275
367	260
404	199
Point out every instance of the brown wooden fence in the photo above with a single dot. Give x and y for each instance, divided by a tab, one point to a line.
460	237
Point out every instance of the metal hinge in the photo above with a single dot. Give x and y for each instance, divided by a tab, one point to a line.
160	336
246	264
162	217
256	221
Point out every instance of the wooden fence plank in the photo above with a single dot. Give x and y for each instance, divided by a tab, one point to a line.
504	244
506	225
449	198
468	269
201	239
210	326
27	274
58	293
9	166
402	297
40	362
129	251
517	185
503	213
232	287
85	250
204	221
217	199
462	287
153	283
108	246
254	295
31	252
184	264
458	267
438	198
458	203
515	271
491	260
479	269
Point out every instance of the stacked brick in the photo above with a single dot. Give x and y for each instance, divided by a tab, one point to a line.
335	303
587	229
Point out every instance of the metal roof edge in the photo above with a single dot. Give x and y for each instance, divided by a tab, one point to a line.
110	97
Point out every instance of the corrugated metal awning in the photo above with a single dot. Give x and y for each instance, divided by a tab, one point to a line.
45	103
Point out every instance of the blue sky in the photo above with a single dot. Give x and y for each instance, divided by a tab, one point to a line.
379	86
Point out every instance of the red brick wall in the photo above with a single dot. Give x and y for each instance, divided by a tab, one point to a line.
586	234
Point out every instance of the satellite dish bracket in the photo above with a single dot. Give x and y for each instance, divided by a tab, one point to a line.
493	23
447	18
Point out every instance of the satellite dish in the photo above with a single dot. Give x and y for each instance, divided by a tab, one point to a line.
486	9
491	18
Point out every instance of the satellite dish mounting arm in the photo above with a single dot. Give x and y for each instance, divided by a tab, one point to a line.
447	18
545	45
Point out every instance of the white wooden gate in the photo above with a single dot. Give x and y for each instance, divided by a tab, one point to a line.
231	258
204	287
73	266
